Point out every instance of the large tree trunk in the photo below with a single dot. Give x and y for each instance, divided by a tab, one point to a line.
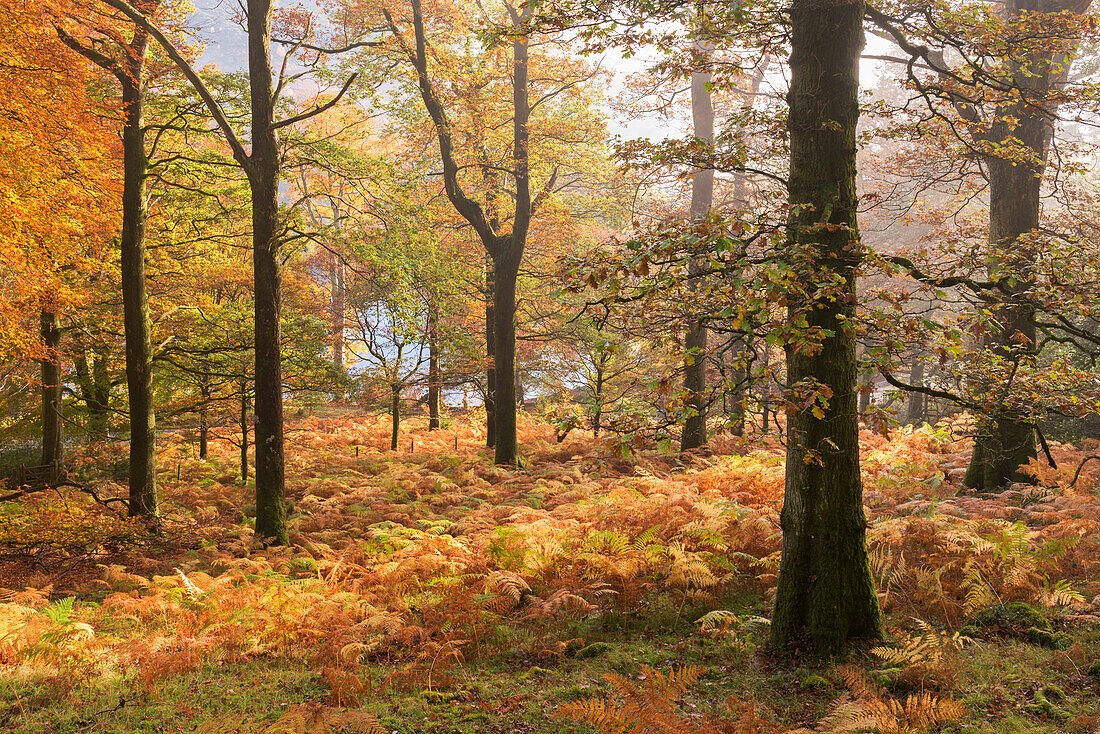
433	367
135	302
263	179
694	434
504	315
53	427
490	355
826	594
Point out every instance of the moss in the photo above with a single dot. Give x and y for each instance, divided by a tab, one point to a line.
439	696
595	650
1044	706
534	672
815	682
1046	638
1015	617
1094	669
1053	693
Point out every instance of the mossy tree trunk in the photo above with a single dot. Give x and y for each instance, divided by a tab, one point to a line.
826	595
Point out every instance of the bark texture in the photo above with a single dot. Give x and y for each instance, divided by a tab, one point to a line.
826	595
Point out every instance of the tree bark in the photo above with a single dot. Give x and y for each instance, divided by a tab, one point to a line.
504	315
395	414
244	431
490	354
826	594
204	422
339	319
263	178
53	426
433	367
135	301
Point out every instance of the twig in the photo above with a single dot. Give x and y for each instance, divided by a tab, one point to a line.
1077	474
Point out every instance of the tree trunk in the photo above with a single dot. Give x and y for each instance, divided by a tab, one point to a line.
263	179
737	378
395	414
914	414
95	388
765	389
597	395
1004	441
490	355
336	281
244	432
694	434
135	301
204	423
1006	438
53	427
826	594
434	379
504	315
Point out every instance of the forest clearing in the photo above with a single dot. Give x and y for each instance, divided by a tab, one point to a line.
430	591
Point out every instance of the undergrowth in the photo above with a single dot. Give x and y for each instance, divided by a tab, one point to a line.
411	572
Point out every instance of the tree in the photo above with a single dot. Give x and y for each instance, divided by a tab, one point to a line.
261	162
1005	92
129	69
825	589
504	247
702	193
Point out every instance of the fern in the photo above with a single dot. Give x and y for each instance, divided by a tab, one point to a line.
868	708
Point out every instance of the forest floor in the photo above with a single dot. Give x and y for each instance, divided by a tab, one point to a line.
429	591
